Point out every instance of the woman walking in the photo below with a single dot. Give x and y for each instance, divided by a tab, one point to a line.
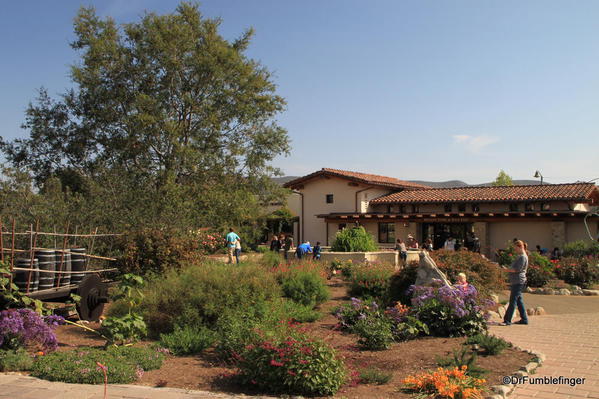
517	283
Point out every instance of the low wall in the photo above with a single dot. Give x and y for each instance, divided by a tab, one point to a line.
377	256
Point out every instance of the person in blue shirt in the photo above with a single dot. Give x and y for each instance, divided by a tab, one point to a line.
316	252
231	240
303	249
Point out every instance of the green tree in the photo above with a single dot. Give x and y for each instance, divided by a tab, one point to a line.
503	179
165	115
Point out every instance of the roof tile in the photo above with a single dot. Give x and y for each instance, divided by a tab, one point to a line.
568	192
365	178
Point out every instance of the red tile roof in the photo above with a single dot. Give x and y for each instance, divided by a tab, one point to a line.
365	178
582	192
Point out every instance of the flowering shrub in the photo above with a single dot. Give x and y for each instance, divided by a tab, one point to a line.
538	276
583	271
297	364
445	384
208	242
123	365
24	327
449	311
348	315
481	272
580	249
374	333
371	280
540	269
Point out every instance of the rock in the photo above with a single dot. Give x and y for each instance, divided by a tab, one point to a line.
494	316
428	271
590	292
530	290
540	357
494	298
530	367
564	291
501	390
530	311
576	288
539	311
494	397
501	311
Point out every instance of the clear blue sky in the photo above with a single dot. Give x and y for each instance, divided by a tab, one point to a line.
432	90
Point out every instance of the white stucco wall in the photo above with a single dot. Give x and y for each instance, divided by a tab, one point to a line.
534	233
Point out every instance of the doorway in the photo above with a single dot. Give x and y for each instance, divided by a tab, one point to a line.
440	232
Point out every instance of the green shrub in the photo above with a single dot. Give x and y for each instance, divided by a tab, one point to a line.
400	283
124	365
579	249
583	271
409	328
270	260
200	295
374	333
371	280
297	312
349	314
490	344
15	360
355	239
537	276
130	326
297	364
305	288
154	251
462	357
373	375
188	340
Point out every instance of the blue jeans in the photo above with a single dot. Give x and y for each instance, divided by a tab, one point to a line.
516	300
237	253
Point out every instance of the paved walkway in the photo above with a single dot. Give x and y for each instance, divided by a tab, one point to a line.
569	341
16	386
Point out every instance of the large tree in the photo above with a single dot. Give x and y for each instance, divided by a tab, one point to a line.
503	179
167	104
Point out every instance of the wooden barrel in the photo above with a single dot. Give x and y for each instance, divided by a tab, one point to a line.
46	261
22	276
78	264
65	279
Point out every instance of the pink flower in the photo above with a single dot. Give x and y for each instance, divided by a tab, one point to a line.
275	363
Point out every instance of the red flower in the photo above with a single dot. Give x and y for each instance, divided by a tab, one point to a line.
275	363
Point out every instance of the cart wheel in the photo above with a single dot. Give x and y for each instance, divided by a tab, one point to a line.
94	294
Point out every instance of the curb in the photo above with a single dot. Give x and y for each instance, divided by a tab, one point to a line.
505	390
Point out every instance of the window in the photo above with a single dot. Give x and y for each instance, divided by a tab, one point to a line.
529	206
402	209
475	208
329	198
342	226
461	207
447	207
387	233
415	209
513	207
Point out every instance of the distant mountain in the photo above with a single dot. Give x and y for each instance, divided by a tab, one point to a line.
442	184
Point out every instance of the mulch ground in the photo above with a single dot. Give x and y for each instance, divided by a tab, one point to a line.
205	372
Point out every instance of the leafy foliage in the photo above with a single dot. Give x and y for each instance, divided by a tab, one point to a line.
11	297
490	344
125	365
188	340
371	280
400	283
462	358
373	375
540	269
131	326
374	333
24	327
581	248
355	239
503	179
305	288
297	364
15	360
583	271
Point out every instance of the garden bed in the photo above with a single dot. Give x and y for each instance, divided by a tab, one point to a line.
207	372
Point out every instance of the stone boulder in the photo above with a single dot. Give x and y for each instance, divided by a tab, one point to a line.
539	311
428	271
590	292
494	298
564	291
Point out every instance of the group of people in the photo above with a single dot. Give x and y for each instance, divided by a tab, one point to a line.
284	242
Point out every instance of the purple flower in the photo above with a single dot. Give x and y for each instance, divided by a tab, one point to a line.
24	326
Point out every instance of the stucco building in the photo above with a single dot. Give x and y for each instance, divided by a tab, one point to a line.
547	215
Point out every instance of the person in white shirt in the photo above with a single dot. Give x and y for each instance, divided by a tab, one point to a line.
449	244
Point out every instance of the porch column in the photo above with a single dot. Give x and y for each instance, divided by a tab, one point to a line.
558	234
481	230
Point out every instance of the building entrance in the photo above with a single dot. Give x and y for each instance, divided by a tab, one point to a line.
439	232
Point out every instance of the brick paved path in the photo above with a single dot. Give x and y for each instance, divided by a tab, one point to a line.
571	345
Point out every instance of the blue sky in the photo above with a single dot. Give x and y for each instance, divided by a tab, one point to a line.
431	90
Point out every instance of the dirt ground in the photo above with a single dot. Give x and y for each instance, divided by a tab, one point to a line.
206	372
